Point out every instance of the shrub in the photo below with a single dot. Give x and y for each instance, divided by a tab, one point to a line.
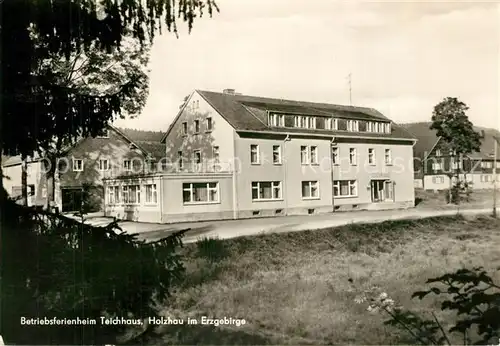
58	267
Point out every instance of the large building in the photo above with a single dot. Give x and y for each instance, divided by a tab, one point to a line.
230	156
435	165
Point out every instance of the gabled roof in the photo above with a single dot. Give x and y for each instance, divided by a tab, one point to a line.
141	136
427	139
249	113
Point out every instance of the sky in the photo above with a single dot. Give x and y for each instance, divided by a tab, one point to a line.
403	56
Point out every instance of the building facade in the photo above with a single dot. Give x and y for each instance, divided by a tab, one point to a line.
230	156
12	170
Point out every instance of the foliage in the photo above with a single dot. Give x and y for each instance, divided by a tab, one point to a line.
213	249
41	34
472	294
57	267
459	192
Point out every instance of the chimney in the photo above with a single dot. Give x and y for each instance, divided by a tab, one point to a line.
229	91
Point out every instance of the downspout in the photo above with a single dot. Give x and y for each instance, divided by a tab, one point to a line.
287	139
235	183
331	170
161	194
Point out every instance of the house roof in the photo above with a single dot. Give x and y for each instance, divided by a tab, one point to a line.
147	141
427	139
16	160
249	113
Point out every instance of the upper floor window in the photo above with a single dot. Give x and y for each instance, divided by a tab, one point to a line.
335	155
197	157
438	152
196	126
388	128
254	154
369	126
335	124
300	121
77	165
388	157
180	160
277	154
437	166
103	165
311	122
313	154
127	165
215	154
328	123
353	159
184	128
486	164
276	119
209	124
371	156
352	125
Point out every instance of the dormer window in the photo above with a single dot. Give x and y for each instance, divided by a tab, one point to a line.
388	128
352	125
276	119
369	126
335	124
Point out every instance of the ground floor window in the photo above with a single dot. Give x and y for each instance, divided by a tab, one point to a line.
310	190
131	194
485	178
151	194
382	190
266	190
345	188
438	180
200	192
113	194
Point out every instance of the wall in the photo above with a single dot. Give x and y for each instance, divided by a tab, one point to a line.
115	149
400	172
477	179
221	135
12	178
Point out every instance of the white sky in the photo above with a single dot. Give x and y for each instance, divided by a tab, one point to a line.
404	56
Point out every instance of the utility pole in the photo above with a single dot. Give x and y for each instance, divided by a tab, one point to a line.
350	89
495	157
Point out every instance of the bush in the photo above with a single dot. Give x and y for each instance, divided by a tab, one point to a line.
58	267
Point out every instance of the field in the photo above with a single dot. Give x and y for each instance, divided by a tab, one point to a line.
431	199
296	288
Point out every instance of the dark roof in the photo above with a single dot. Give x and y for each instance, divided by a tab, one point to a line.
155	149
427	138
249	113
142	136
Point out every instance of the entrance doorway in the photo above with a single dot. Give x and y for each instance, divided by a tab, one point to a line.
382	191
72	199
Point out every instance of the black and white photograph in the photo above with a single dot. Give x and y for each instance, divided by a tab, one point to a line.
250	172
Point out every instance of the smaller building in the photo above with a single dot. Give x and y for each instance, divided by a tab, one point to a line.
436	166
12	168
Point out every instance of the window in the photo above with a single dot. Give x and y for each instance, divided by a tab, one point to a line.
209	124
77	165
277	154
371	156
104	134
352	125
103	165
328	123
335	155
113	194
197	157
310	190
486	164
131	194
301	121
152	165
388	128
314	155
215	154
276	119
200	192
438	180
353	160
388	157
196	126
312	122
438	152
184	128
437	166
485	178
266	190
254	154
369	126
151	195
180	160
498	164
456	164
345	188
335	124
127	165
304	155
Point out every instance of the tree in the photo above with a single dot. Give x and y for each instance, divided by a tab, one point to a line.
452	125
48	29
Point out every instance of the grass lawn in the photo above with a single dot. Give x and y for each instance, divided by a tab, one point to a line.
294	288
431	199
